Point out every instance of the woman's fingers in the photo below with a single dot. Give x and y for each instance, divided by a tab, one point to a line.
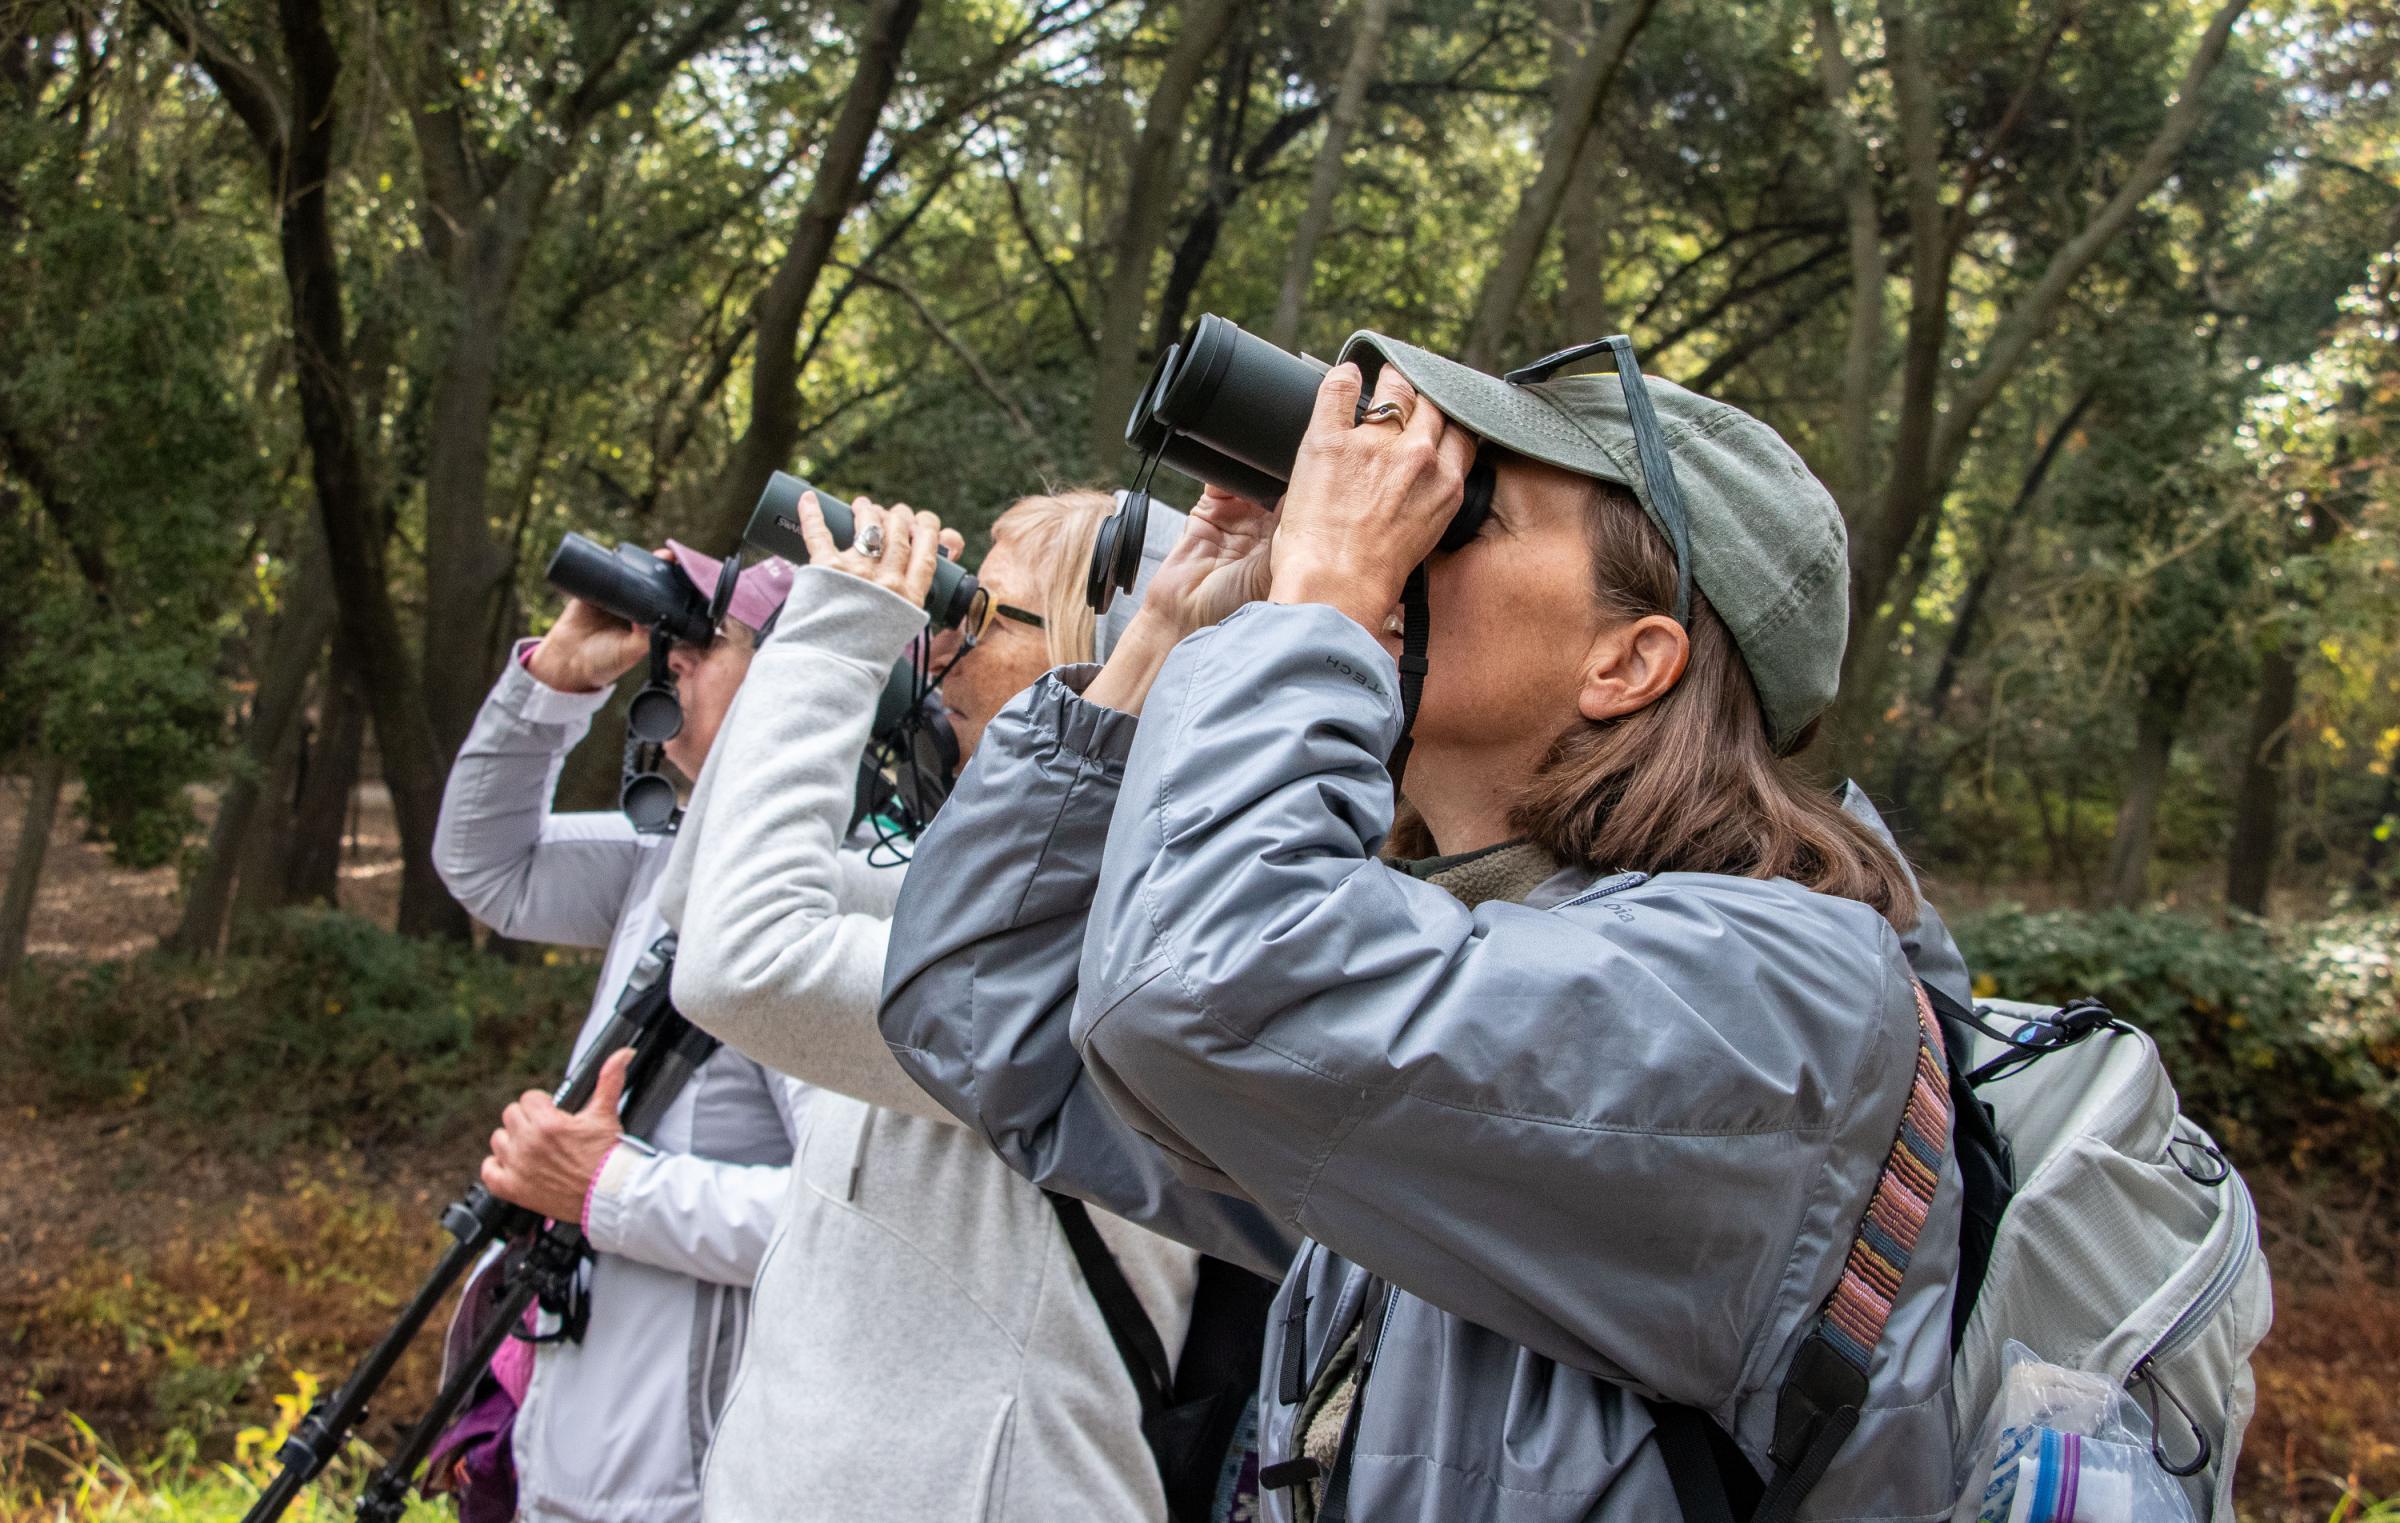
889	570
813	532
1392	386
924	553
1457	449
1337	401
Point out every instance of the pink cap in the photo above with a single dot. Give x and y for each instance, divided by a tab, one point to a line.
756	596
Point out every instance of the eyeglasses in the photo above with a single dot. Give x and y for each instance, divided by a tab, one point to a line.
982	610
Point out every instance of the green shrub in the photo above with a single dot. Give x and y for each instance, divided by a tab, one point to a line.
2284	1041
315	1025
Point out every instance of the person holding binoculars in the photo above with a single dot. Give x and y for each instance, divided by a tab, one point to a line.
1457	906
610	1422
923	1346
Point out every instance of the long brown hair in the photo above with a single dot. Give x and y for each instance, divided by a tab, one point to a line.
1691	782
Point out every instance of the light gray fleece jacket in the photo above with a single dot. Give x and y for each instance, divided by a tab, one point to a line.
924	1349
1608	1144
614	1429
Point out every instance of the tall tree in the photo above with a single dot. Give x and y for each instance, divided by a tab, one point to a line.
1579	94
291	112
1151	186
766	446
490	163
1325	177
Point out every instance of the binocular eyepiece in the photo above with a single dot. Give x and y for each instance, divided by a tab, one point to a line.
775	529
1228	408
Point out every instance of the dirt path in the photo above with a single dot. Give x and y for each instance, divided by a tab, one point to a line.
89	907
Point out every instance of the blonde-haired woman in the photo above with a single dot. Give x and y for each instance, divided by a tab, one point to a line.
922	1347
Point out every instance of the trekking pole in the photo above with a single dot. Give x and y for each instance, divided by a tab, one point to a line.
667	1050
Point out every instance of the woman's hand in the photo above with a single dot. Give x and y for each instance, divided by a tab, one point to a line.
912	544
588	649
1223	560
544	1158
1368	501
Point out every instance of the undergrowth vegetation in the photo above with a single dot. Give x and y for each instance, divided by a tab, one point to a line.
2284	1041
316	1026
250	1156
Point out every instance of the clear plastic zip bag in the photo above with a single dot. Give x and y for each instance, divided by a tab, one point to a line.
2064	1446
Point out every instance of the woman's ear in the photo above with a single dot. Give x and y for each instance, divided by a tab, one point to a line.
1631	666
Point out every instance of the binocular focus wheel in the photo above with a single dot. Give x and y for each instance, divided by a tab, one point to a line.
648	800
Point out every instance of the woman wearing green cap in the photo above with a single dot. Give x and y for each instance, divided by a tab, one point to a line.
1593	1067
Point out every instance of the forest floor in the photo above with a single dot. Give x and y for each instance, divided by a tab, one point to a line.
159	1288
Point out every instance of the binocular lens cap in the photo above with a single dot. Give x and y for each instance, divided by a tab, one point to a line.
648	800
655	716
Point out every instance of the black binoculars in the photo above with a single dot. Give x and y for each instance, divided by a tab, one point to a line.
644	590
1228	408
634	585
775	529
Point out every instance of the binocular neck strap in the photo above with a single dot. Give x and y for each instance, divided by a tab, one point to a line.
1416	633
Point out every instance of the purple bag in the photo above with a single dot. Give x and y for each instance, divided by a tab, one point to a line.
475	1458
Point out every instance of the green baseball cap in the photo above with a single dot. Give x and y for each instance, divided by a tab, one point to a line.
1766	542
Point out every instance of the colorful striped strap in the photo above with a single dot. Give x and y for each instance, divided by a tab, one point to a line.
1861	1304
1826	1388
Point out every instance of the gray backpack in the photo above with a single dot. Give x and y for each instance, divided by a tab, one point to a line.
2100	1228
2130	1246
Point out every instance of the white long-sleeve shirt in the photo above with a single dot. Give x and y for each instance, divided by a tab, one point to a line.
924	1347
614	1429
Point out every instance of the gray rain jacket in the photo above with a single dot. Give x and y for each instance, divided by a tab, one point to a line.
1607	1144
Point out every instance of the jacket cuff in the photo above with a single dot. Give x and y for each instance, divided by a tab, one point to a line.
834	613
525	696
604	1197
1056	716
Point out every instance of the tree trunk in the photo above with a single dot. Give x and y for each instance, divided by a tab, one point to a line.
2258	799
465	569
1325	179
1932	438
1862	352
1150	193
270	743
2156	722
1580	95
766	445
47	782
321	809
295	139
1846	725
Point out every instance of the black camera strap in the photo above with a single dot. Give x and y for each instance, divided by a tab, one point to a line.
1416	635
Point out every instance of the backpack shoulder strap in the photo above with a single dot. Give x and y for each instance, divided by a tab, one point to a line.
1713	1482
1986	1166
1129	1327
1826	1388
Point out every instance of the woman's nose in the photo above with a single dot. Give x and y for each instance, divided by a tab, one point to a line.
943	649
683	660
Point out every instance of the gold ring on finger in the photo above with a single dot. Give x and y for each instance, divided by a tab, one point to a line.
1385	412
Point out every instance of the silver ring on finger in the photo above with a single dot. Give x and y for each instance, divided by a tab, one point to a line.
1385	412
870	542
